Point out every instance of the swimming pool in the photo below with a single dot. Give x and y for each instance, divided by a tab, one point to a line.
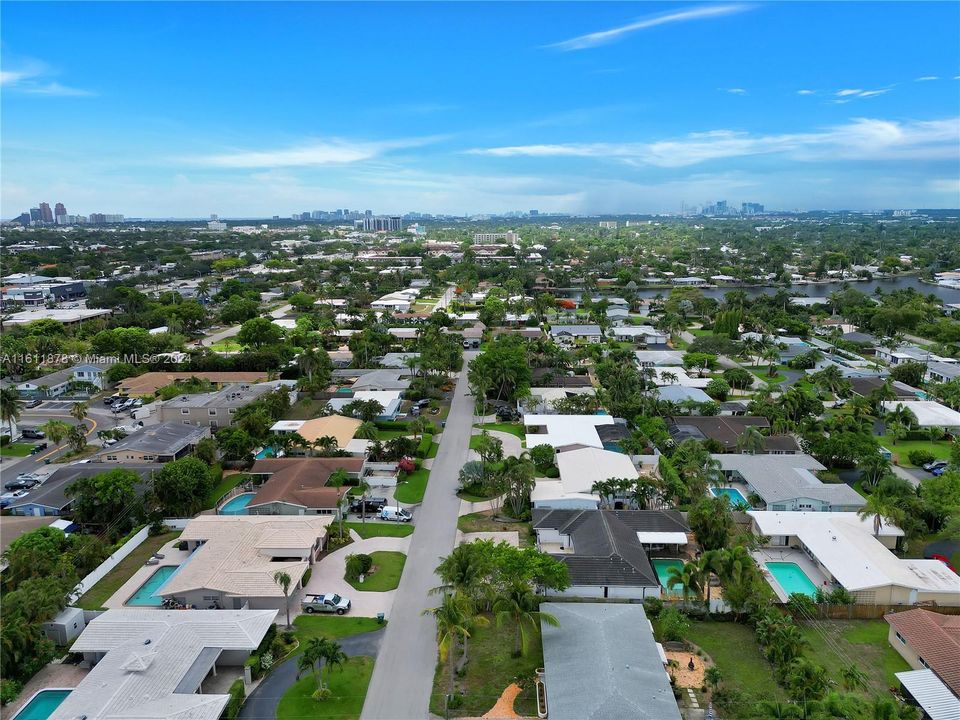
236	505
662	567
733	495
145	597
792	578
42	705
267	452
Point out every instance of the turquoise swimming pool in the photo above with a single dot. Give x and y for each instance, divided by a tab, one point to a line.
662	567
267	452
792	578
236	505
145	596
732	494
42	705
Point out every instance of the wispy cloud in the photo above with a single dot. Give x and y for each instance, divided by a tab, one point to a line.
321	152
861	139
848	94
735	91
927	78
604	37
806	92
33	78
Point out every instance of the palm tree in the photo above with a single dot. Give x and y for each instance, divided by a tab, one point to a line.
455	619
853	677
338	478
77	437
751	441
56	430
418	426
79	412
364	487
366	431
520	606
688	577
709	563
10	407
332	655
326	444
882	506
282	579
606	490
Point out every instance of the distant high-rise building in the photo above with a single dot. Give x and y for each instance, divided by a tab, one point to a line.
216	226
534	213
751	209
305	216
35	215
97	219
721	207
368	213
24	219
382	224
59	213
316	215
46	214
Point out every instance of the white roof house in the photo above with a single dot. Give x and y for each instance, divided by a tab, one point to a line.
927	412
658	358
677	376
150	664
559	430
389	399
233	556
580	467
844	547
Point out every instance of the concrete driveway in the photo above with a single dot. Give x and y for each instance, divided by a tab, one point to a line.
328	575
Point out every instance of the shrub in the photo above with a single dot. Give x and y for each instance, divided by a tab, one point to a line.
391	424
9	689
424	446
674	625
237	695
653	606
357	565
4	440
552	472
920	457
306	577
801	605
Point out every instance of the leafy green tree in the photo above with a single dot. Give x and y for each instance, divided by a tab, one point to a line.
259	332
181	487
712	522
109	501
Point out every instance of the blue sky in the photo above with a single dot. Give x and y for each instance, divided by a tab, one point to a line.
250	109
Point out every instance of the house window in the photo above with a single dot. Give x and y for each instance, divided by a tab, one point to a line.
184	411
150	458
923	662
232	410
212	412
111	458
900	638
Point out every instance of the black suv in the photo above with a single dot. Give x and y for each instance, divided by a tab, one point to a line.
373	505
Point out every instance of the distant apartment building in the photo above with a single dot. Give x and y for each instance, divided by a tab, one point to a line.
751	209
216	226
60	214
608	225
46	214
213	410
390	223
486	238
104	218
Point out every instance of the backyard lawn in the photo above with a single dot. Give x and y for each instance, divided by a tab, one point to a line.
380	529
94	598
16	450
491	667
512	428
902	448
763	372
225	485
226	346
412	489
838	643
305	409
348	688
385	574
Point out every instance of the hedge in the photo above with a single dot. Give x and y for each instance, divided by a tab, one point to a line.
237	694
424	446
391	424
306	577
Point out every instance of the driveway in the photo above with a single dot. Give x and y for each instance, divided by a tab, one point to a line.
403	675
262	702
328	575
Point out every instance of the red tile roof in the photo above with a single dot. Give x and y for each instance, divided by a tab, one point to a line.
935	638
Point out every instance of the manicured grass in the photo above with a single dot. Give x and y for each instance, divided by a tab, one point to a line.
412	489
380	529
384	435
94	598
305	409
483	522
512	428
16	450
385	574
332	626
763	372
469	497
434	449
348	687
226	346
733	647
838	643
225	485
475	441
901	449
490	668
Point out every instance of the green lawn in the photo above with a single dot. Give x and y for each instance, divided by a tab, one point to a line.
305	409
16	450
348	687
225	485
412	489
902	448
384	435
434	449
94	598
332	626
763	372
482	522
512	428
226	345
733	647
838	643
385	574
380	529
490	669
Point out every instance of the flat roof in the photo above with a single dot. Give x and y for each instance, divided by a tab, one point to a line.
229	396
931	694
927	412
566	429
602	663
63	315
53	492
163	439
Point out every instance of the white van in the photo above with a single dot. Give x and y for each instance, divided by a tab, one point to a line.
396	514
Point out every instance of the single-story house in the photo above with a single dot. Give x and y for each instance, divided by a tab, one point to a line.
928	641
903	354
672	375
787	482
390	400
155	443
398	360
580	467
234	559
382	380
149	383
560	430
72	380
153	663
341	427
841	549
725	429
789	347
941	372
298	486
602	662
51	497
541	399
681	393
865	386
572	334
658	358
644	334
929	413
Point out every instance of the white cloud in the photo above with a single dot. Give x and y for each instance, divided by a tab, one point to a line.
861	139
855	94
736	91
32	77
330	152
844	93
806	92
55	88
595	39
926	78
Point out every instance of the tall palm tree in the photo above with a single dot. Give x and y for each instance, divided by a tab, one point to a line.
709	563
284	580
882	506
751	441
56	430
79	411
520	606
10	407
366	431
456	619
332	655
688	577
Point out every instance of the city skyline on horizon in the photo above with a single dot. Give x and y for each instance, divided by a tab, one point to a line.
599	109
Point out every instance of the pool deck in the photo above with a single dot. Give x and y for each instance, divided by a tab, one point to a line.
51	677
172	557
792	555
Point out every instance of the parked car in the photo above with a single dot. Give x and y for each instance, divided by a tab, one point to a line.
136	402
31	477
373	505
8	498
938	471
32	434
330	603
39	447
396	514
931	466
19	484
36	402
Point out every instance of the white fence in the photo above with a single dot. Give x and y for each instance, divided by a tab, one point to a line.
110	563
176	523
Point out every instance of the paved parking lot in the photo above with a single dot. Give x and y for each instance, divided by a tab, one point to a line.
54	406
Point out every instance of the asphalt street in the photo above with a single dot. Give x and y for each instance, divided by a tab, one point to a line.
403	675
